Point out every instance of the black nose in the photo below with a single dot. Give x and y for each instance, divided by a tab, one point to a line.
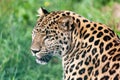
35	51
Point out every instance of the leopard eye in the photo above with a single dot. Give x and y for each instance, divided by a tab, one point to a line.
49	37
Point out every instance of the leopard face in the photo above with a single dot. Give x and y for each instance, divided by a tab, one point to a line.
89	50
50	38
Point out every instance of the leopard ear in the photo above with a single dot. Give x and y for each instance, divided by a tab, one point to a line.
66	23
41	12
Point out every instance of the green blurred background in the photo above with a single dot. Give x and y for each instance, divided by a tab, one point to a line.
17	19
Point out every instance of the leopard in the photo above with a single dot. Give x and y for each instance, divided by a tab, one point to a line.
88	50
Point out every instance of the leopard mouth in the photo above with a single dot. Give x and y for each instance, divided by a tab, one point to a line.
44	59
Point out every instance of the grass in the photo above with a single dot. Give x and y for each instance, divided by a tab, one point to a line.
17	19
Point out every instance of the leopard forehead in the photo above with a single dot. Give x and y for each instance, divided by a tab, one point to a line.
47	21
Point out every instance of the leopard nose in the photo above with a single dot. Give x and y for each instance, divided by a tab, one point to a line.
35	51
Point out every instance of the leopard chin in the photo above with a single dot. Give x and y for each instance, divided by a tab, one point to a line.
41	62
44	59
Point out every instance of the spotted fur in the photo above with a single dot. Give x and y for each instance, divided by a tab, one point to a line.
89	50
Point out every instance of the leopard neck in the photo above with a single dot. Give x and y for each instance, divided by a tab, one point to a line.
77	39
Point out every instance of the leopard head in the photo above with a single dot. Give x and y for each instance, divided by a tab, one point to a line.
51	35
